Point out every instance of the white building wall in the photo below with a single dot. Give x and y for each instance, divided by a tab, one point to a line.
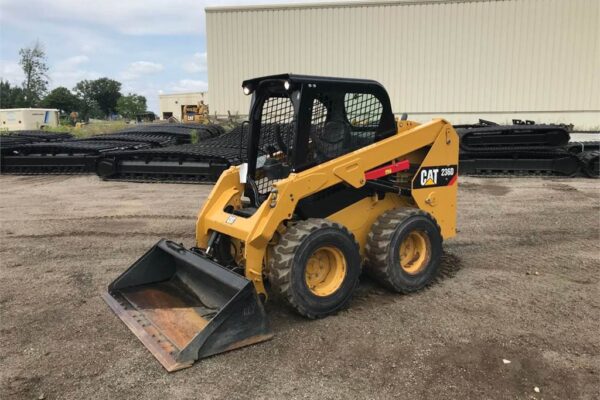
24	119
172	102
500	59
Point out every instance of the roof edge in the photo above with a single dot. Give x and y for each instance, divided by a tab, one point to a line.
299	78
332	4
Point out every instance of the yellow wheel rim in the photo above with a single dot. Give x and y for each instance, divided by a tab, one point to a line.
325	271
415	251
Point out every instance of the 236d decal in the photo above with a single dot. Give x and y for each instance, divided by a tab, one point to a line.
444	175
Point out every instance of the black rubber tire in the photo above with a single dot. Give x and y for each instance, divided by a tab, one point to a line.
289	259
106	167
590	160
383	244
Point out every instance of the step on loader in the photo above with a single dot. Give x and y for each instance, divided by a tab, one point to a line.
334	184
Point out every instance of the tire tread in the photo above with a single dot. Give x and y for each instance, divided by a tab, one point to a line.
378	243
282	260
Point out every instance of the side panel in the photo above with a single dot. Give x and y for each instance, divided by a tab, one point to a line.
435	184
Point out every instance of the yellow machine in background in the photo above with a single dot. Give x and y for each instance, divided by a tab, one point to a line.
195	113
333	184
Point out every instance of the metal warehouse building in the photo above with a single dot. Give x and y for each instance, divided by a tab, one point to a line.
492	59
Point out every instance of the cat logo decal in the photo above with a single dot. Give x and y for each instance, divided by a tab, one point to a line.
435	176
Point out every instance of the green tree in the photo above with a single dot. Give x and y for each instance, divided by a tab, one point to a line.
62	99
11	96
87	105
33	62
131	105
104	92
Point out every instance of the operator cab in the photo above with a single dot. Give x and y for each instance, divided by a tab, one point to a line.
299	121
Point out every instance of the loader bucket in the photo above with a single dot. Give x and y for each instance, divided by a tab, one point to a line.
183	306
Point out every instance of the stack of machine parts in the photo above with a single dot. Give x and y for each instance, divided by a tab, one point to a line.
588	154
10	140
523	148
39	136
49	153
201	162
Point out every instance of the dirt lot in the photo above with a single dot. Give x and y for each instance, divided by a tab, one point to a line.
521	282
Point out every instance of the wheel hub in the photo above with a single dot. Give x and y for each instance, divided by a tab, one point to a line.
415	251
325	271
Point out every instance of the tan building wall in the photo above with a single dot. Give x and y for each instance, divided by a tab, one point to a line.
171	104
500	59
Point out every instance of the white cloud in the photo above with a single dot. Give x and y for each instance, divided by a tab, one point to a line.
189	85
80	38
70	71
11	71
196	64
140	68
72	62
65	73
132	17
145	67
69	78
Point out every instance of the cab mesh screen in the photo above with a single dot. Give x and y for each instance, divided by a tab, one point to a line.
339	124
276	135
338	128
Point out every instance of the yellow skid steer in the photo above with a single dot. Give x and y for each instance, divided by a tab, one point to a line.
333	184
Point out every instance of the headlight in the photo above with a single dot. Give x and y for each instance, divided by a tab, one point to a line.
247	90
286	85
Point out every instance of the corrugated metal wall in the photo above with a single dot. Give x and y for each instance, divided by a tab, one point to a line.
452	58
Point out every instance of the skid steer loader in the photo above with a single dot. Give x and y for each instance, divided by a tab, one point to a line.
333	182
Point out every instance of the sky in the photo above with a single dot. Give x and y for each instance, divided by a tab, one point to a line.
150	46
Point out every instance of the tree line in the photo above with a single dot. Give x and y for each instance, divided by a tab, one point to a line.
97	98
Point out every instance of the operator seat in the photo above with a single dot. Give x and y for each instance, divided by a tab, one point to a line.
334	139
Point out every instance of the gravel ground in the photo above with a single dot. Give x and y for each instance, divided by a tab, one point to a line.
520	282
